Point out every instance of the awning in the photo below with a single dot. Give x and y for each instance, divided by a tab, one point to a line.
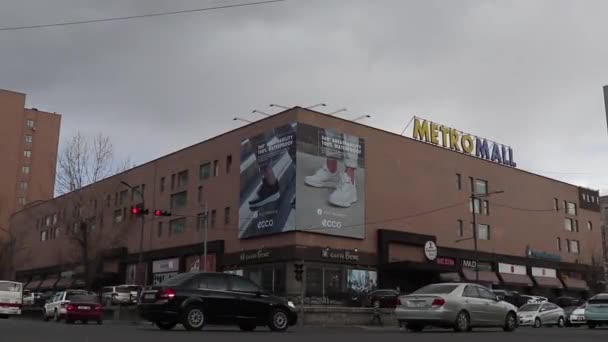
573	284
33	285
64	283
484	276
516	279
49	283
549	282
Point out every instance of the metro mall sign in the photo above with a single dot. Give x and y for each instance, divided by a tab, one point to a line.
458	141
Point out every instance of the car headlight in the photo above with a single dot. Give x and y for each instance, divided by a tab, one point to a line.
291	304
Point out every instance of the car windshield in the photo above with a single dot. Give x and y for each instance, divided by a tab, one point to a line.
179	279
123	290
71	295
530	307
436	289
598	300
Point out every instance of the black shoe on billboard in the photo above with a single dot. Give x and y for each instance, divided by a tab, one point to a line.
266	194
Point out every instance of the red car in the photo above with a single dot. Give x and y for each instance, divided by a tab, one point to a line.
84	308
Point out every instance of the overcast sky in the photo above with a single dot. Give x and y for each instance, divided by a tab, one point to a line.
525	73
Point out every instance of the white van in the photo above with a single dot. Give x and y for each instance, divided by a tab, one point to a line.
11	298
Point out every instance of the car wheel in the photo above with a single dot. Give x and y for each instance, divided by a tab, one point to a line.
165	325
414	328
537	323
247	326
591	325
278	320
561	322
510	322
193	318
463	322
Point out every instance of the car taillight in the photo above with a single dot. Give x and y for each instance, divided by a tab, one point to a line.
439	302
167	294
98	308
71	307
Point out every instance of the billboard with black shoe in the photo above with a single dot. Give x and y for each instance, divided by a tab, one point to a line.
323	170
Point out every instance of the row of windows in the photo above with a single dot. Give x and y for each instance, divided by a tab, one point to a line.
50	234
178	226
483	230
591	199
476	186
571	225
206	171
569	207
572	246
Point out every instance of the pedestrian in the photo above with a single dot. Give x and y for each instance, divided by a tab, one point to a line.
377	313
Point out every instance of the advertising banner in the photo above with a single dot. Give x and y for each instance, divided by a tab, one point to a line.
330	182
322	170
268	192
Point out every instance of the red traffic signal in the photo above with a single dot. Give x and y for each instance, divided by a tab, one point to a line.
161	213
139	211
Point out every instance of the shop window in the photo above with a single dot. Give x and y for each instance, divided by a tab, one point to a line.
484	232
458	181
332	287
314	282
481	186
179	200
569	224
204	171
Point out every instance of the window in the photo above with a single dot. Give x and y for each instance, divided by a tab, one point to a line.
159	232
570	208
123	197
576	225
199	195
470	291
460	229
475	202
43	235
48	220
21	200
162	184
217	282
213	218
485	294
484	232
177	226
556	204
569	224
55	218
25	170
117	216
216	168
27	153
559	244
481	186
239	284
200	221
228	164
135	193
486	208
108	200
23	186
589	226
30	123
179	200
143	191
182	178
471	184
573	246
116	199
458	182
227	216
204	171
28	138
173	181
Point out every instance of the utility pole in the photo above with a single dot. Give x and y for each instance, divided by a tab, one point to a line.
473	201
205	225
140	259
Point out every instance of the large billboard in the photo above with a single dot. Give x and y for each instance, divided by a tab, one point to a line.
322	170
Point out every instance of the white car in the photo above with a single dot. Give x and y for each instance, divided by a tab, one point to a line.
577	317
121	294
541	314
56	307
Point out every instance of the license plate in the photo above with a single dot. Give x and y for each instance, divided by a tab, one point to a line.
417	304
84	308
150	296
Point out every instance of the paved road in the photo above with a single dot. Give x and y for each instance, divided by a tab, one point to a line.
38	331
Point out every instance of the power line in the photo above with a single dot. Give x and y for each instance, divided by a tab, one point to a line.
205	9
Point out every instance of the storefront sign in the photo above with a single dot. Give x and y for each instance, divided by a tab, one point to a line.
483	265
339	255
542	255
512	269
445	261
430	250
453	139
167	265
257	255
544	272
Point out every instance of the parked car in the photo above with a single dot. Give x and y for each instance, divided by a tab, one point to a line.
460	306
84	308
577	317
382	299
534	299
29	298
596	311
56	307
196	299
512	297
540	314
119	295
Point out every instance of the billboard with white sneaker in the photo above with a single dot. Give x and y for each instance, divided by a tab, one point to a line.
322	170
330	182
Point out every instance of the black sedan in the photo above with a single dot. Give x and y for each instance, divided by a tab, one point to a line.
197	299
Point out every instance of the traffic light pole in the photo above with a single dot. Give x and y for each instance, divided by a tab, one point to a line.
140	259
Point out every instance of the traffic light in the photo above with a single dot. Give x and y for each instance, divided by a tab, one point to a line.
158	212
298	270
137	211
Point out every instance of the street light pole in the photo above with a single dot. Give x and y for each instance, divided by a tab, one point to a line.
140	259
474	199
205	226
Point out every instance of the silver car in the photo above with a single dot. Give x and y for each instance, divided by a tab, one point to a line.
541	314
460	306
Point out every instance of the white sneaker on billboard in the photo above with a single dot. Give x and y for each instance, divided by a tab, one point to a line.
323	178
346	192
